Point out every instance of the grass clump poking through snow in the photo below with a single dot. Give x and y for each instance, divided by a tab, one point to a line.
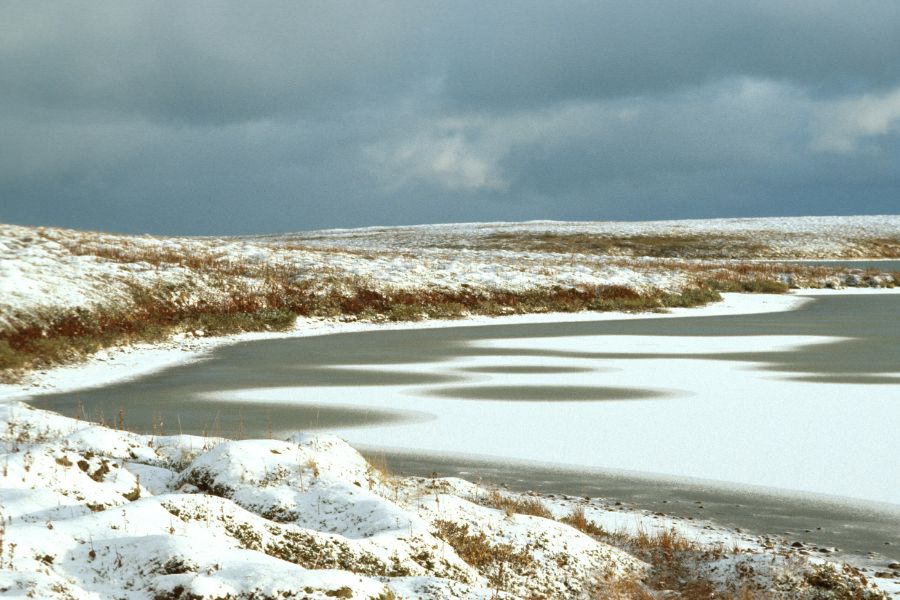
494	561
517	505
686	570
669	554
579	521
753	285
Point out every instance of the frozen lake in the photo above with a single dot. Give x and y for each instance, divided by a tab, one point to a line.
884	266
805	401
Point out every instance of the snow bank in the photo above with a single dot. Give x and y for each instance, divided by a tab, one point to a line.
90	512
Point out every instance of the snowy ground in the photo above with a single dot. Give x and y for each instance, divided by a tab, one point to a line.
44	269
791	237
89	512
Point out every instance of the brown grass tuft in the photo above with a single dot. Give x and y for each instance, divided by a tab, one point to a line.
622	589
516	505
494	561
579	521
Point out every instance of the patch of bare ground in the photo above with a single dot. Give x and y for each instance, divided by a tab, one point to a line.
879	247
494	561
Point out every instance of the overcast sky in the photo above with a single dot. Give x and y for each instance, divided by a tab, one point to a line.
247	117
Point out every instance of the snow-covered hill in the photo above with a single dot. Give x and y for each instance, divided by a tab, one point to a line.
91	512
43	269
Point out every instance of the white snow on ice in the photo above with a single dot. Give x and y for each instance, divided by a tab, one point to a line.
716	420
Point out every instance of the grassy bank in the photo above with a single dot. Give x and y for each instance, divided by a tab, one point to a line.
154	314
671	245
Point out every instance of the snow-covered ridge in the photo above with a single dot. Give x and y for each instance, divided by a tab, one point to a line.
789	237
46	269
91	512
859	224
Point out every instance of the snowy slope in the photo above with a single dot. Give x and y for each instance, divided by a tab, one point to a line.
90	512
45	269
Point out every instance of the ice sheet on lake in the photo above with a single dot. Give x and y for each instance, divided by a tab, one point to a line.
718	420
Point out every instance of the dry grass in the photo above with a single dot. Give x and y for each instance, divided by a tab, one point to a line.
155	312
692	246
753	285
579	521
516	505
665	543
658	246
880	247
622	589
269	295
673	561
677	567
494	561
152	314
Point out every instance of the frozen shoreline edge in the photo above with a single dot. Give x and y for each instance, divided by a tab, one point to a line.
124	363
875	507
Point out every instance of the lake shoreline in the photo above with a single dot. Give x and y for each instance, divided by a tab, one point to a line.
815	520
123	363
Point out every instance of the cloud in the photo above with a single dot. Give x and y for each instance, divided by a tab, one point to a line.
546	53
205	62
740	122
443	154
842	126
235	117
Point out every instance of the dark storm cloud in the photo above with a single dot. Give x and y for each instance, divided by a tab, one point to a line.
204	62
244	117
609	49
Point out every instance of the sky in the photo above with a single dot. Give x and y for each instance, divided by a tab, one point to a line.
256	117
